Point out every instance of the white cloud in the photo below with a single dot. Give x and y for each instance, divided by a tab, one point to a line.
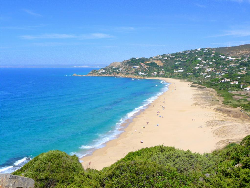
125	29
231	43
49	44
31	13
238	33
95	36
200	5
48	36
68	36
235	33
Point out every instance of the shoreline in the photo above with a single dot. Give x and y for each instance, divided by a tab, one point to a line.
127	118
175	119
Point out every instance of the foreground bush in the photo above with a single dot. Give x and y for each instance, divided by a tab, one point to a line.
52	168
157	166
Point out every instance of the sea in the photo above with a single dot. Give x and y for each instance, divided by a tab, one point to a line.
44	109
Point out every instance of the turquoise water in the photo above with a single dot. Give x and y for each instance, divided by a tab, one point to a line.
48	109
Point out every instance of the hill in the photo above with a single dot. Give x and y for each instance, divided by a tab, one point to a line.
226	69
242	50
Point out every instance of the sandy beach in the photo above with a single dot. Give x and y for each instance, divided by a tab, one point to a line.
186	117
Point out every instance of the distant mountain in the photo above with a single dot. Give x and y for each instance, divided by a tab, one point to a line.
209	62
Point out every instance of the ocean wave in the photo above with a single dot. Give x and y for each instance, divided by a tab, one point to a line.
87	147
99	143
144	104
16	165
112	134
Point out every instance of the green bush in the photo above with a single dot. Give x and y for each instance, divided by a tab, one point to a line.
52	168
246	141
157	166
143	174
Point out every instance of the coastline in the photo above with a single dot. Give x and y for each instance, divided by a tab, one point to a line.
180	117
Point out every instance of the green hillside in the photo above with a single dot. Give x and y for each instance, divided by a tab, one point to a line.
226	69
157	166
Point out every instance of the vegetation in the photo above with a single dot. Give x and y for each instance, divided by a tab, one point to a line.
227	70
157	166
52	168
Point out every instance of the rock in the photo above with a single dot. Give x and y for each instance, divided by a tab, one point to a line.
207	175
115	64
238	165
12	181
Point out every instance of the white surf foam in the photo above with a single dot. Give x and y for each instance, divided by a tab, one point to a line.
16	165
6	170
103	139
22	161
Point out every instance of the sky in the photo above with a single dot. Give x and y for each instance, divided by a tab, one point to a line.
79	33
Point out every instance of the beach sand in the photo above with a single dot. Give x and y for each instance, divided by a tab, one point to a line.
184	117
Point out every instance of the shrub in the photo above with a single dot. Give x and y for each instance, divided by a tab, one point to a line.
157	166
52	168
246	141
142	174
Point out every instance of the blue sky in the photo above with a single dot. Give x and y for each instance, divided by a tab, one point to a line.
67	33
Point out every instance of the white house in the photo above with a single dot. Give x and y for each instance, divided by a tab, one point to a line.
247	88
234	82
225	80
141	73
101	71
231	58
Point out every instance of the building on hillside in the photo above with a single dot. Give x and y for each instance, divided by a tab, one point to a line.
225	80
142	73
247	88
231	58
102	71
136	67
234	82
154	73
